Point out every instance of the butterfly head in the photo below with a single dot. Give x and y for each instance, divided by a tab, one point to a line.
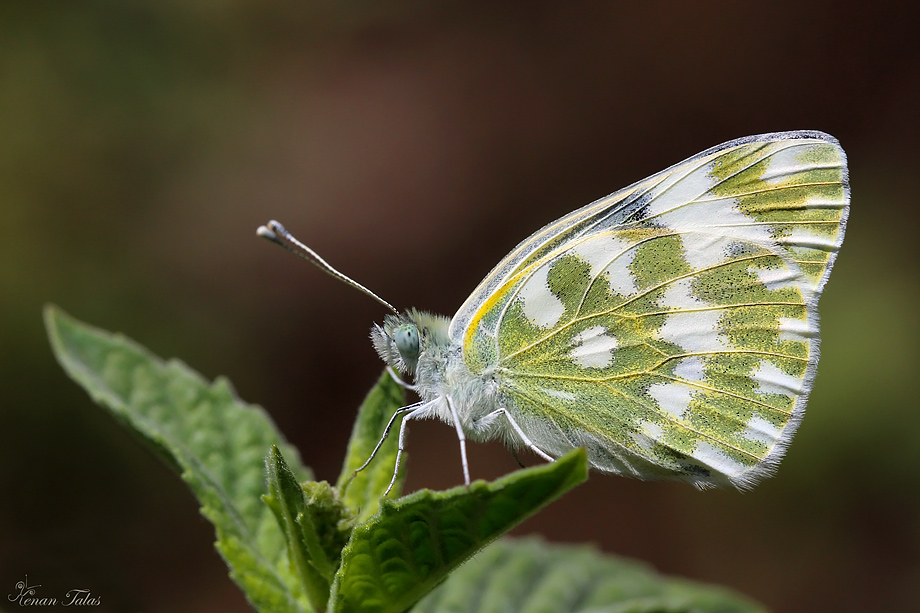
403	338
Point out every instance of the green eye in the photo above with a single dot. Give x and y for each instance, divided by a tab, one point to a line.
406	339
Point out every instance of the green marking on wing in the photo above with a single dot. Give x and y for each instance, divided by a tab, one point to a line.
657	262
796	188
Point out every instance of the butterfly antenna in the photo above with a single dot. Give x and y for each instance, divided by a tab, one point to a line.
275	232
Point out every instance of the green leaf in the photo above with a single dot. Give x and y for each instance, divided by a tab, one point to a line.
297	517
528	575
411	545
402	552
361	492
216	441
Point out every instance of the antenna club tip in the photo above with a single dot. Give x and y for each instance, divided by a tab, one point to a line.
267	233
273	231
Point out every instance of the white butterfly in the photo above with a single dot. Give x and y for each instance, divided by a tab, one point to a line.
670	328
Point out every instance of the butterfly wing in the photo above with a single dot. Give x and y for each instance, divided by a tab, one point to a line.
671	327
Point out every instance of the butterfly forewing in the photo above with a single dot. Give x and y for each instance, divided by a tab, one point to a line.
671	328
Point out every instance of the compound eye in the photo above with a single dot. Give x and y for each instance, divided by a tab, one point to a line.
406	338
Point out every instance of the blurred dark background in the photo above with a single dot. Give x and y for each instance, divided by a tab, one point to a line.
413	144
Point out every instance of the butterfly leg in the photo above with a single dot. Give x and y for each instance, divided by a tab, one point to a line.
386	433
399	381
517	429
418	410
462	437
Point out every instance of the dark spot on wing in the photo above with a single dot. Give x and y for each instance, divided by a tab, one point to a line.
634	208
739	249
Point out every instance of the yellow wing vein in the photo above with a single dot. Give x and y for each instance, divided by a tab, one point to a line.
521	373
553	409
730	177
686	426
715	307
776	188
723	392
771	354
691	169
605	380
611	311
776	223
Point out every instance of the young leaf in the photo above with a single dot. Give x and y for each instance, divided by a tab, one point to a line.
361	492
216	441
311	561
528	575
411	545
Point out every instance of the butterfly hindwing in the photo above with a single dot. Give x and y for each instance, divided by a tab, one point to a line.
671	328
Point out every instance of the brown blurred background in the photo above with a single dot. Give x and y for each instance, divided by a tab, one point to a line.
413	144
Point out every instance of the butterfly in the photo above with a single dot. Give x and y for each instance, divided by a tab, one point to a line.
670	328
